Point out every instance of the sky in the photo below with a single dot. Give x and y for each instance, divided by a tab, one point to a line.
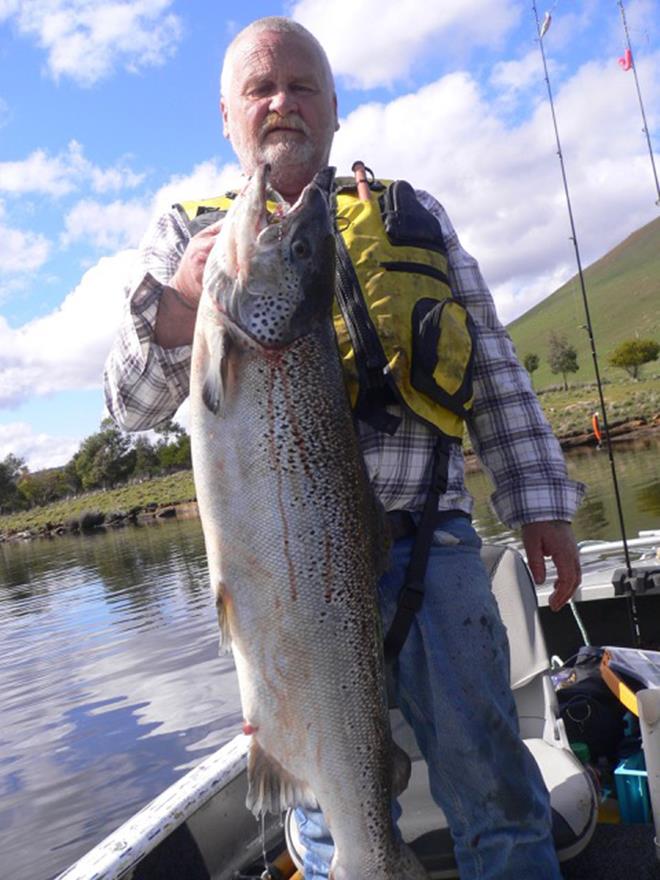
109	114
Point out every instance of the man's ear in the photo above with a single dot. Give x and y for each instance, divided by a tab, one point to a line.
334	104
225	117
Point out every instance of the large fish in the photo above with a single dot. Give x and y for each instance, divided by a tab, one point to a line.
294	536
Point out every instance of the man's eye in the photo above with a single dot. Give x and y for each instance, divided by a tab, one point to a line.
260	91
302	88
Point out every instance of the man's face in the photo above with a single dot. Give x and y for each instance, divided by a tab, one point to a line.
280	108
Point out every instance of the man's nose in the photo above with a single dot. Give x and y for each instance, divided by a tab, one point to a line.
283	102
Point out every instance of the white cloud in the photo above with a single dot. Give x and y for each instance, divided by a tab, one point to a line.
501	182
63	173
86	40
121	224
66	349
21	251
521	74
39	450
107	226
205	180
381	42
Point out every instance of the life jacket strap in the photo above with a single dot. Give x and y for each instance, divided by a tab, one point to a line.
375	391
411	596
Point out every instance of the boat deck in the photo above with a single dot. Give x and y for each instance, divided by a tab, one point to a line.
616	852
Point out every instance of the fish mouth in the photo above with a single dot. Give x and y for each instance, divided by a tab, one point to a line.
283	217
322	183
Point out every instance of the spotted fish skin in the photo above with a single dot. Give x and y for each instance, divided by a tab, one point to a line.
294	535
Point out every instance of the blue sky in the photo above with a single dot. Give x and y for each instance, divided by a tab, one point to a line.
108	114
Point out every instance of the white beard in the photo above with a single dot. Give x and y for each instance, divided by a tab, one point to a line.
286	149
294	159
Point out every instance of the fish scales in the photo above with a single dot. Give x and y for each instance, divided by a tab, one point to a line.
293	532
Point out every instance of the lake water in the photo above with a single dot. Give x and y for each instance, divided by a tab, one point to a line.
111	686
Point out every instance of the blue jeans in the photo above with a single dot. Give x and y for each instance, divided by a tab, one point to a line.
452	686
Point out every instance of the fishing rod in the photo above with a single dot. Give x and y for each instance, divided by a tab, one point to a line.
541	30
630	60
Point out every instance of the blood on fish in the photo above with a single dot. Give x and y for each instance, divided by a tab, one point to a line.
248	729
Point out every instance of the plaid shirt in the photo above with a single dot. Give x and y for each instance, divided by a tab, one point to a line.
145	384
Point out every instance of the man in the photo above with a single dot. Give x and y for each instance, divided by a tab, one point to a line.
279	106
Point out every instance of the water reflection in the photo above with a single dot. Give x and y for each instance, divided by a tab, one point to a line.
637	477
111	685
648	499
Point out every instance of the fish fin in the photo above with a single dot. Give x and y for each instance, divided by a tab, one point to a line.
214	389
401	768
271	788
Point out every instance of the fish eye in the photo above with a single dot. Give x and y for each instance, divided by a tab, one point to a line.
300	248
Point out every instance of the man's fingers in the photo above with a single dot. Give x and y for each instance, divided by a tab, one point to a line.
555	539
535	560
537	567
562	593
568	580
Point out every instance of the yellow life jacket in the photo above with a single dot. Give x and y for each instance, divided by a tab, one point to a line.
402	336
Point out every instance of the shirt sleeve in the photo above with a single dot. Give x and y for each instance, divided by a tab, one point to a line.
144	383
507	427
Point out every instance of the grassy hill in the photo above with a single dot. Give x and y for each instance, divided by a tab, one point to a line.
623	290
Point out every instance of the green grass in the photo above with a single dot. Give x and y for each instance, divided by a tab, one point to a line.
570	411
163	491
623	291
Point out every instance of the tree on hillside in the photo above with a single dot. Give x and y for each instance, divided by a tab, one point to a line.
631	354
531	362
168	430
12	469
175	456
562	357
104	458
44	487
174	447
146	457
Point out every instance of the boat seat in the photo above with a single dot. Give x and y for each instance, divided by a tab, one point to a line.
572	793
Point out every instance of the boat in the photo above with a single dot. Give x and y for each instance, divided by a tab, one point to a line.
200	829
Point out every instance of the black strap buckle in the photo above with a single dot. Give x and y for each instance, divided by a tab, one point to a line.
411	596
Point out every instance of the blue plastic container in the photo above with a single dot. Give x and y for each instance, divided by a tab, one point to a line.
632	790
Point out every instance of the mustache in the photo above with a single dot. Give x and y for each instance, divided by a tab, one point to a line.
291	122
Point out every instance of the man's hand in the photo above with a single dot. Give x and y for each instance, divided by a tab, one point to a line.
177	309
555	539
187	280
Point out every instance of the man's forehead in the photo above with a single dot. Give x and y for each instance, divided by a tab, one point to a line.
266	52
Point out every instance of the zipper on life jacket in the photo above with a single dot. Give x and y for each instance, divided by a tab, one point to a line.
418	268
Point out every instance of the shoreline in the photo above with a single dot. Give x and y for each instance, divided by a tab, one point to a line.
92	521
631	431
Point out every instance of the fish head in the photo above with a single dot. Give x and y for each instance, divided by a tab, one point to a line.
272	276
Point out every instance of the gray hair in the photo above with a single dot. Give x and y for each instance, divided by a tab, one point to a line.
280	25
